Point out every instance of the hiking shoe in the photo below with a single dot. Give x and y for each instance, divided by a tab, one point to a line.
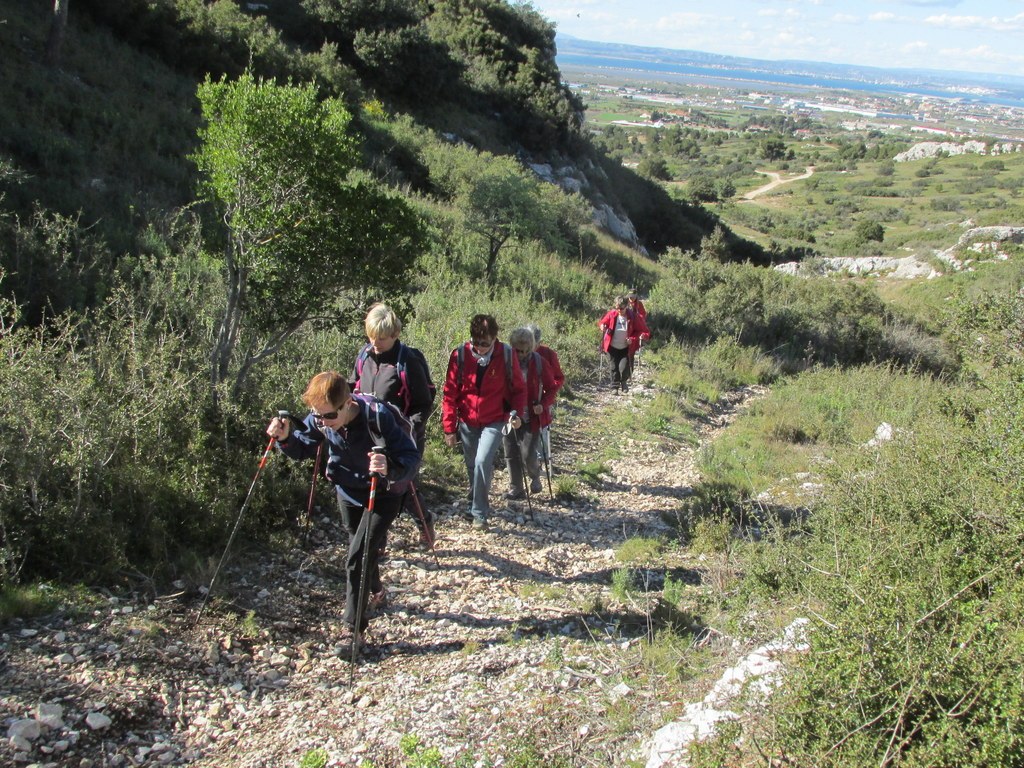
377	600
343	644
535	486
514	495
480	524
427	535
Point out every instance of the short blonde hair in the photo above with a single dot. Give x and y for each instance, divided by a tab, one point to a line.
327	387
382	322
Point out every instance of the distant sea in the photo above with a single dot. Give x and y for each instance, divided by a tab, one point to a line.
674	71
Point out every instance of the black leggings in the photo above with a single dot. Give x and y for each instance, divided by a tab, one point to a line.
621	368
385	509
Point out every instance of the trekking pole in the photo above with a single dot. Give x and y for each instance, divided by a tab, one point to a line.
423	521
507	429
238	522
364	575
545	441
312	494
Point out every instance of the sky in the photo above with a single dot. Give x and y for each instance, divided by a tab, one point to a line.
959	35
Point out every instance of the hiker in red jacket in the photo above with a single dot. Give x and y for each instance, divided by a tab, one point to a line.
550	357
522	445
636	305
623	332
483	388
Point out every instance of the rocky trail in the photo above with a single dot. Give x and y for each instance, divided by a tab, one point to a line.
507	643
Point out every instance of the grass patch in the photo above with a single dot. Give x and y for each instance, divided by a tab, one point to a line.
26	601
640	551
533	589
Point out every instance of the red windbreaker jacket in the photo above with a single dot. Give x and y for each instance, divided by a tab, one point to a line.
636	329
540	388
497	396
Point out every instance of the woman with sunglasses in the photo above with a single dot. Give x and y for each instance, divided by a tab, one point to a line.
482	388
350	428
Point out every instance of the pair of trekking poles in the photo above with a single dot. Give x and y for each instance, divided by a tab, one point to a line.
364	574
546	454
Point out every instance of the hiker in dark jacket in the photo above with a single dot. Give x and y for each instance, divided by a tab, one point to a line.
378	373
482	387
349	427
387	370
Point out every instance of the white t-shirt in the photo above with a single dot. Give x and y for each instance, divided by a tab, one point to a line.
619	337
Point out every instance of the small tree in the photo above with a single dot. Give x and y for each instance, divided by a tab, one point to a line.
866	231
300	223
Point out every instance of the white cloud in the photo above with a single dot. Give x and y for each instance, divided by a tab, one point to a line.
845	18
882	16
926	3
914	47
677	22
982	53
994	23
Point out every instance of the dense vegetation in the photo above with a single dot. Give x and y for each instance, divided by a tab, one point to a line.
198	205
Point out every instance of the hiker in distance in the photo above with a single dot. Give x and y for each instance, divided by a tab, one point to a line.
522	445
396	373
623	332
350	426
483	391
636	305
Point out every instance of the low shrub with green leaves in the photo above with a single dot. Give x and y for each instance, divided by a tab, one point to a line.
797	320
912	578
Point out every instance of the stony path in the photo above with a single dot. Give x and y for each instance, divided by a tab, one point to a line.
507	641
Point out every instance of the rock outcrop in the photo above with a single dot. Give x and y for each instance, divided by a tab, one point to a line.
928	149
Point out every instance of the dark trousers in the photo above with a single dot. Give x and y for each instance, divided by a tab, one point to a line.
355	519
620	362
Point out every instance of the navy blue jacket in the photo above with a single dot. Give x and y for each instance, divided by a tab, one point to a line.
348	461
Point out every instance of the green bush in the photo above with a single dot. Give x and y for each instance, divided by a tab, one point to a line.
913	577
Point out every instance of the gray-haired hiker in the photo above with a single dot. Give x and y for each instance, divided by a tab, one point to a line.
522	445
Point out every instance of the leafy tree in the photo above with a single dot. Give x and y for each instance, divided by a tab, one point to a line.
867	231
773	149
497	199
702	188
300	224
654	167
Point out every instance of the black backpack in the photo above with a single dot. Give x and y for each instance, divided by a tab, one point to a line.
404	350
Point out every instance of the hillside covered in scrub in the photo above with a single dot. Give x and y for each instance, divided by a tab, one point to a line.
198	203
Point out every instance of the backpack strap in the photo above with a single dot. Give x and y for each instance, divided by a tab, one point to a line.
403	378
538	366
360	360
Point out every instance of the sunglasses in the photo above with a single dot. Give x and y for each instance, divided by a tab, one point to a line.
482	343
325	416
